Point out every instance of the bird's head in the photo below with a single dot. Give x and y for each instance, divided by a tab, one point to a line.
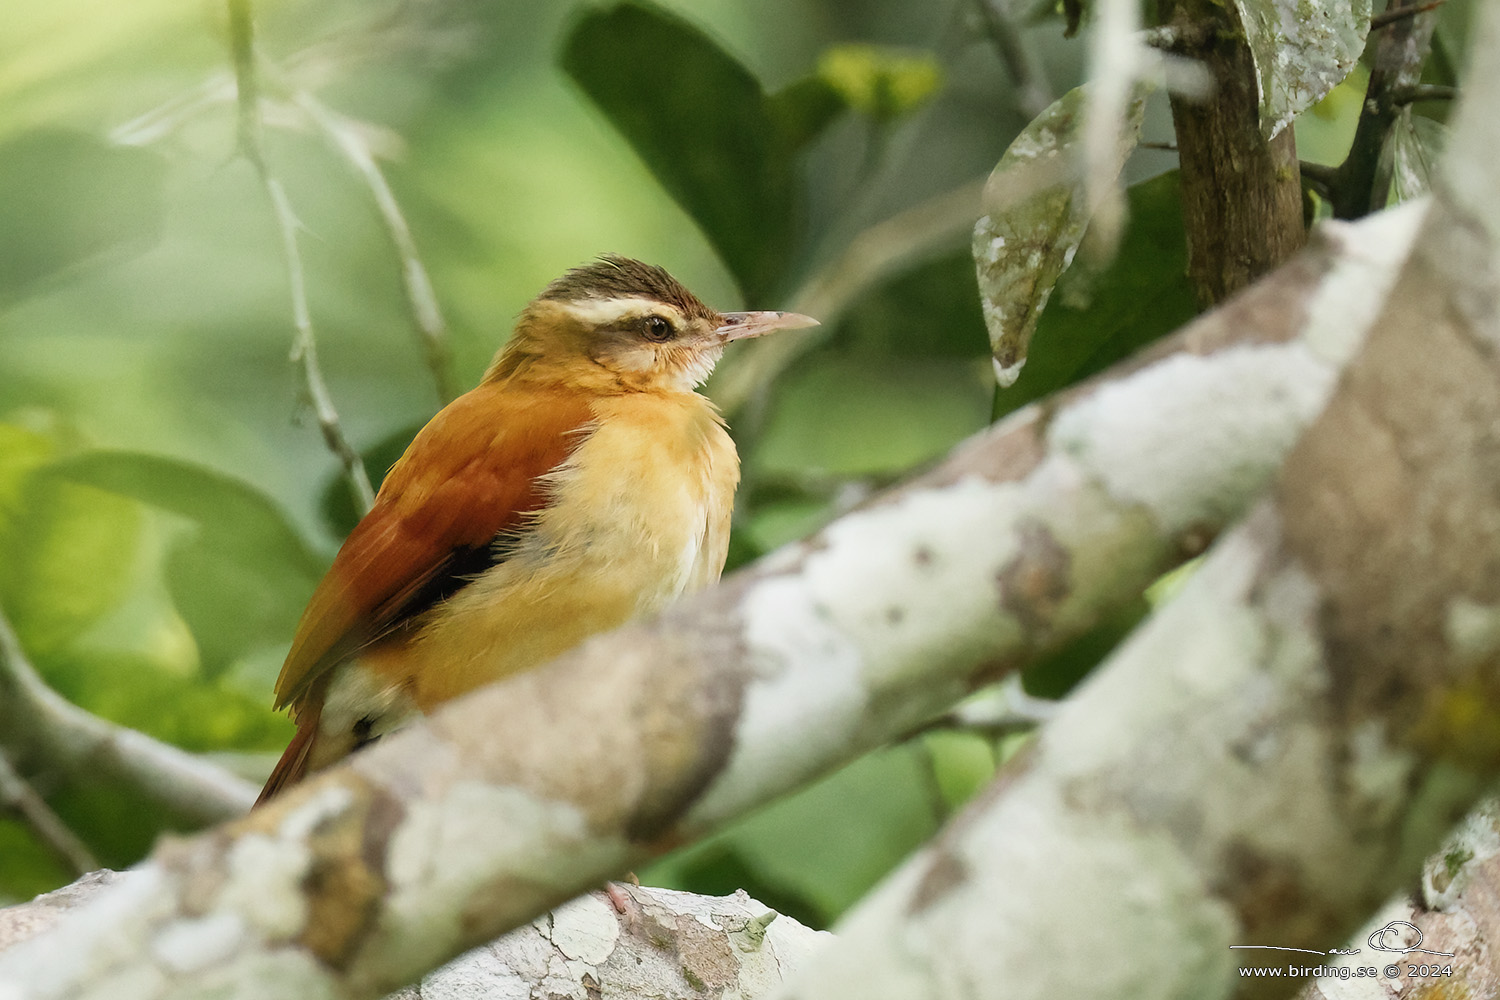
620	325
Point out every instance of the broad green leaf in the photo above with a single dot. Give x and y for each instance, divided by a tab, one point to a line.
68	197
1101	318
68	556
241	576
1036	213
1302	50
1417	144
701	122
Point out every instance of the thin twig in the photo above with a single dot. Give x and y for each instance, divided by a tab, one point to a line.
1423	92
1320	177
305	347
1033	94
1388	17
346	138
16	793
35	720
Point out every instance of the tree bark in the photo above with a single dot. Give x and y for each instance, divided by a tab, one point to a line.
1241	191
512	800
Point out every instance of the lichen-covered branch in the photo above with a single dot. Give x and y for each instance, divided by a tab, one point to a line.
510	801
37	725
1450	921
659	943
1271	756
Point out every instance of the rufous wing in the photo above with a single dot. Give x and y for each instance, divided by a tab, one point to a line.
470	475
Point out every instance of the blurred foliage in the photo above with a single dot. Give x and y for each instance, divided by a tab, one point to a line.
166	503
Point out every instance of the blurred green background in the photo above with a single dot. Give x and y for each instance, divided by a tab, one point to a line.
166	500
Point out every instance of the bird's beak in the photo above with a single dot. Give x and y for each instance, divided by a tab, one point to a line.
741	326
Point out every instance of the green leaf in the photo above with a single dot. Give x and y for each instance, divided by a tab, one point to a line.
68	197
241	576
68	556
1417	144
1302	50
1036	213
1098	319
700	121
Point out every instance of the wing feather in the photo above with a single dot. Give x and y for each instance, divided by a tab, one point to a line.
469	475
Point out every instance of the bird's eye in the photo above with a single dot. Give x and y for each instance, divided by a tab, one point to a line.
657	328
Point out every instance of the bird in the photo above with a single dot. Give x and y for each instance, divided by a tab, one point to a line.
584	482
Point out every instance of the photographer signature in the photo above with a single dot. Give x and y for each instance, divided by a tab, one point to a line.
1392	937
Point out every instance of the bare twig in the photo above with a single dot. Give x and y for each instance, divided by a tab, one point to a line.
1388	17
428	316
1423	92
305	347
1320	177
1033	93
37	721
16	793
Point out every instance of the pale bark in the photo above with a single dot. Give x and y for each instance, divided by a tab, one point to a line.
1270	757
510	801
664	944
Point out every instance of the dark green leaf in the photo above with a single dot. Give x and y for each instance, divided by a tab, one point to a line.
1144	294
700	121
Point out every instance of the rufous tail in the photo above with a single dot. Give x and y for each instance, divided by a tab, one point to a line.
292	766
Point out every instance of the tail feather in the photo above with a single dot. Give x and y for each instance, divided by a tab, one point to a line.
292	766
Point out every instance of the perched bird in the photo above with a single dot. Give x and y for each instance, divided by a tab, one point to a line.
583	483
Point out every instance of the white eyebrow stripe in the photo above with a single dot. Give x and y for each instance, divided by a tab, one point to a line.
602	312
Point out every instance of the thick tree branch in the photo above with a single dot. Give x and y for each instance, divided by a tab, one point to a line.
516	798
40	727
665	945
1272	754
